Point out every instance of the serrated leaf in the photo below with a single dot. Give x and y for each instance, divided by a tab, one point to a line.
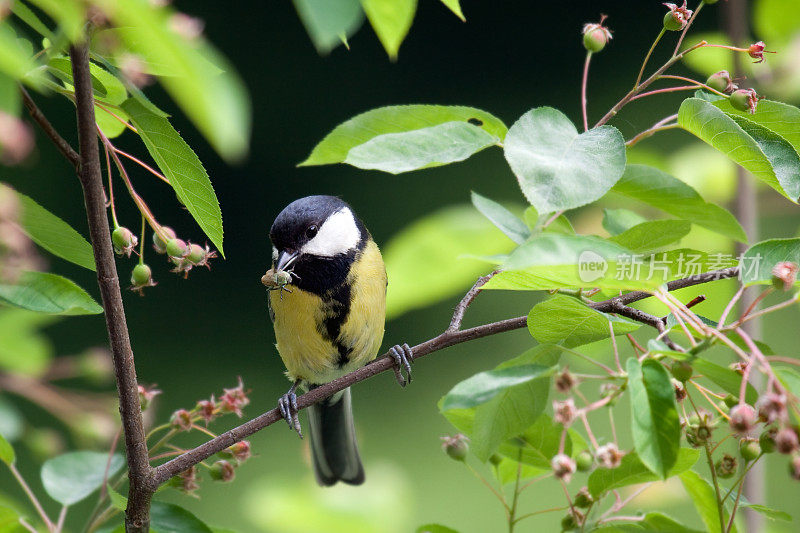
442	238
761	151
391	20
615	221
199	79
329	22
702	494
53	234
757	262
772	514
6	451
655	423
48	293
423	148
565	321
632	472
182	168
170	518
783	119
558	168
652	235
514	228
671	195
71	477
335	147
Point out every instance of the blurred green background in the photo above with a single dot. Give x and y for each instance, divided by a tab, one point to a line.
194	337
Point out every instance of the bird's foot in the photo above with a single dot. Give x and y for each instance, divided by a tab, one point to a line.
288	407
402	356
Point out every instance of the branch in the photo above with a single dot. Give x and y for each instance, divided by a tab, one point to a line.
450	337
36	114
138	512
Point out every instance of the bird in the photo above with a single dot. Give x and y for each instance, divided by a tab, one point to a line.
328	306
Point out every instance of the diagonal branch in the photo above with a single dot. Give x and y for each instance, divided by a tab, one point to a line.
36	114
138	512
449	337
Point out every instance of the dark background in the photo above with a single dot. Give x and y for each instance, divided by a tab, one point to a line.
194	337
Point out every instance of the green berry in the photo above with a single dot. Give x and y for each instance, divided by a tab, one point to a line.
726	467
177	248
196	253
767	441
730	400
744	100
495	459
673	23
141	276
160	244
583	499
750	449
456	447
595	40
222	471
682	371
584	461
568	523
721	81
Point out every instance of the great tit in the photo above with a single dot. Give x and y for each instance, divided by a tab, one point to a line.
328	313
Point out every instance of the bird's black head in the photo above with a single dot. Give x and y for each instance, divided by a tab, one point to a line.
317	237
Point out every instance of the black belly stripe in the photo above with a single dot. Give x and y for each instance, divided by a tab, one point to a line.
338	302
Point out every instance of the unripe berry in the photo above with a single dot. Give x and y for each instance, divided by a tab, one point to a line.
495	459
750	449
159	244
196	253
141	277
583	499
726	467
677	17
744	100
124	241
456	446
682	371
721	81
596	36
786	441
584	461
743	418
767	440
177	248
222	471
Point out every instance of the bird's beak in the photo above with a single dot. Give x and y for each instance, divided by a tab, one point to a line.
285	258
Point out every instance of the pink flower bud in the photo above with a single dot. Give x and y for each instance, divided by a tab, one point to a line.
233	400
564	412
207	409
135	70
784	275
186	26
16	139
609	456
563	467
181	420
743	419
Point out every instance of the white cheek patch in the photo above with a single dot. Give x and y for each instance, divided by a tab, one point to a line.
336	236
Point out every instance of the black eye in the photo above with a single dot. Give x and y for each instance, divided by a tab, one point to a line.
311	231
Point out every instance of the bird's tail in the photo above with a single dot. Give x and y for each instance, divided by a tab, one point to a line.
333	441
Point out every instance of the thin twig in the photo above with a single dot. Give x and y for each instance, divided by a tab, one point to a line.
36	114
31	496
584	101
461	308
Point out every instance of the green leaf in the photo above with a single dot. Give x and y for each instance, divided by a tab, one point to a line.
455	7
391	20
61	68
71	477
671	195
538	444
423	148
702	494
652	235
761	151
632	472
615	221
29	17
513	409
48	293
653	521
565	321
70	16
506	471
327	20
117	500
435	528
485	386
758	261
6	451
24	349
53	234
15	57
200	80
558	168
514	228
655	423
169	518
724	377
439	241
373	124
780	118
9	521
181	167
772	514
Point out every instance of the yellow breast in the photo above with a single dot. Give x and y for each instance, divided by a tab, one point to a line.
300	331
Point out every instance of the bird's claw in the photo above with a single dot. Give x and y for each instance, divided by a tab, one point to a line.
402	356
288	407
